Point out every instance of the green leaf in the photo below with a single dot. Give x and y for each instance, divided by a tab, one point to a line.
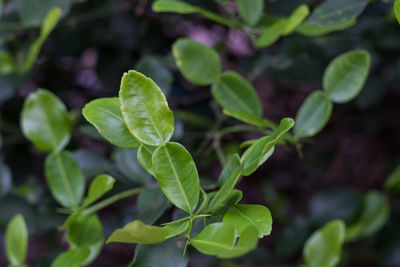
295	19
49	23
234	197
219	239
45	121
271	34
73	258
151	204
248	118
7	64
198	63
308	29
167	254
392	183
16	240
258	152
250	10
177	228
330	12
65	179
174	6
244	215
99	186
144	156
324	247
105	114
346	75
313	115
127	163
229	177
397	9
137	232
145	109
374	215
177	176
233	92
34	12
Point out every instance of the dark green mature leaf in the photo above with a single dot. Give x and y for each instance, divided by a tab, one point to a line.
151	205
235	93
177	176
244	215
7	64
167	254
330	12
392	183
145	109
228	178
397	9
296	18
73	258
218	239
99	186
346	75
45	121
65	179
271	34
258	152
5	179
137	232
324	247
105	114
128	164
144	156
317	30
250	10
16	240
374	215
49	23
197	62
313	115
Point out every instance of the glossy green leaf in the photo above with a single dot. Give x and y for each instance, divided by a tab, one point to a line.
16	240
244	215
308	29
177	176
151	205
177	228
313	115
144	156
73	258
45	121
234	197
198	63
330	12
99	186
374	215
397	9
145	109
248	118
257	153
65	179
167	254
49	23
7	64
233	92
219	239
250	10
137	232
105	114
392	183
176	6
346	75
154	68
271	34
324	247
229	177
295	19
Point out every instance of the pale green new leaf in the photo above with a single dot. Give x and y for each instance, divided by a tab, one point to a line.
235	93
105	114
177	176
392	183
45	121
397	9
65	179
72	258
346	75
295	19
145	109
144	156
257	153
313	115
245	215
219	239
250	10
198	63
176	6
271	34
16	240
7	64
137	232
324	247
248	118
177	228
99	186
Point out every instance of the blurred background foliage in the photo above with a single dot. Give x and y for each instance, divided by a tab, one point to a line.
97	40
